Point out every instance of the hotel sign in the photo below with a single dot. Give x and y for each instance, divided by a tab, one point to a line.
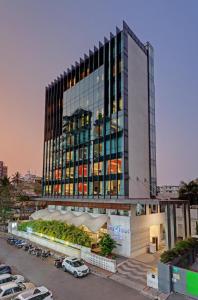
118	231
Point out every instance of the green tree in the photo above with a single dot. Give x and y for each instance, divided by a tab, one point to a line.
38	188
6	200
107	244
189	191
22	199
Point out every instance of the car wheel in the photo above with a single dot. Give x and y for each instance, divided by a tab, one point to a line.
75	275
64	269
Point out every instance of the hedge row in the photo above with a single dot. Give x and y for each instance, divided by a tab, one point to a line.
59	230
180	248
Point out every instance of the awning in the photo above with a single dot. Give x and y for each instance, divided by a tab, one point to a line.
89	221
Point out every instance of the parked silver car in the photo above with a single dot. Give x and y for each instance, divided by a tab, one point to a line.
38	293
6	278
11	289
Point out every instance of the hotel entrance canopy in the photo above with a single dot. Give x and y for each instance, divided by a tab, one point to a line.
92	223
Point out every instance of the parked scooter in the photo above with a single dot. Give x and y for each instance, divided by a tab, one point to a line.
58	262
45	254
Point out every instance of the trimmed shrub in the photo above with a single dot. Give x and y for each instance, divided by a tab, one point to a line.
180	248
107	244
59	230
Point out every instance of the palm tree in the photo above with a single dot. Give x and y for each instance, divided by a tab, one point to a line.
189	191
16	179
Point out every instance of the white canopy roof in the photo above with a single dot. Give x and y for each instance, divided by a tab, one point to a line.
92	223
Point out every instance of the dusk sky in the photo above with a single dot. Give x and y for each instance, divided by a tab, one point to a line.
40	39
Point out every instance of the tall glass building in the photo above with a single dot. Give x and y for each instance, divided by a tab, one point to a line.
99	137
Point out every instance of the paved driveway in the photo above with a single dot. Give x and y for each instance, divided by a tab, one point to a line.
63	285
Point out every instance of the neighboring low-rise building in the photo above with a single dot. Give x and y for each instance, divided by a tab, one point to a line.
31	183
3	170
194	220
168	191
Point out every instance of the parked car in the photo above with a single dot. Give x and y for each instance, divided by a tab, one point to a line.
11	289
5	278
4	269
38	293
75	266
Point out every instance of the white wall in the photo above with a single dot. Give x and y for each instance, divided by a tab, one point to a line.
140	230
138	131
119	227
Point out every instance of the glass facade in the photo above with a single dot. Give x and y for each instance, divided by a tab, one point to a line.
86	113
86	159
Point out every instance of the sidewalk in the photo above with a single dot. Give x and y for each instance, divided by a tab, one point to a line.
133	274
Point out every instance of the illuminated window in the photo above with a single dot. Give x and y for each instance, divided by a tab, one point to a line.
114	125
72	172
80	188
85	188
57	189
80	170
67	191
120	104
97	185
68	156
58	174
71	188
114	166
111	187
67	172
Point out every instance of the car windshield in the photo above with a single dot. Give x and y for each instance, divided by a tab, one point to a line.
78	263
36	291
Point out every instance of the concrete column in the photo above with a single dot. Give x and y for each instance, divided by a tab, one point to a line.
188	218
173	225
168	226
184	221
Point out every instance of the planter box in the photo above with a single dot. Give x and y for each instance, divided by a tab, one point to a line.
43	241
67	248
97	260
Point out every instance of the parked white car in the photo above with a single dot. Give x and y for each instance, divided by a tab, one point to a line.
11	289
75	266
38	293
5	278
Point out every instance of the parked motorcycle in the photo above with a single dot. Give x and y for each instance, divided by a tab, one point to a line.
45	254
58	262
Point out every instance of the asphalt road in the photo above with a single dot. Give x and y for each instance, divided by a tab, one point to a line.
63	285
